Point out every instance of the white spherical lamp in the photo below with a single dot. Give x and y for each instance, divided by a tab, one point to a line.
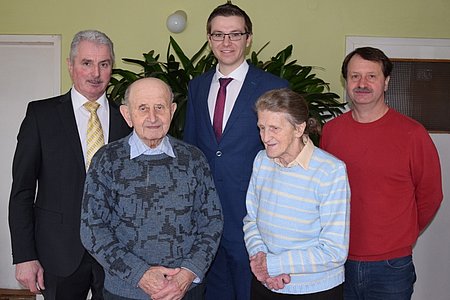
176	22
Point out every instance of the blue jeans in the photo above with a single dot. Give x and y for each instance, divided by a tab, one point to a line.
391	279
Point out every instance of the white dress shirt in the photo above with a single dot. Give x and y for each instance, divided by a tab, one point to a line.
82	116
233	89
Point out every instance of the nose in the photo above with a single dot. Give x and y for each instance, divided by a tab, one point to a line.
226	40
96	70
151	116
362	82
265	137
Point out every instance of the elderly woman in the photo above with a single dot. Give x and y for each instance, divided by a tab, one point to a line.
297	223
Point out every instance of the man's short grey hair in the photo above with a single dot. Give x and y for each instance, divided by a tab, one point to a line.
94	36
126	97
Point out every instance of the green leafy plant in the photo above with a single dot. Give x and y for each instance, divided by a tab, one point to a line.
177	73
322	104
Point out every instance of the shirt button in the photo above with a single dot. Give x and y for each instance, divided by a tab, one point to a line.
219	153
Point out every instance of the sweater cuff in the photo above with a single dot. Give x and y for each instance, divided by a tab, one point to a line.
188	265
196	279
274	267
256	249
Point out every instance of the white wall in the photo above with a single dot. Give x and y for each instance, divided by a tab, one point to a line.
30	69
432	251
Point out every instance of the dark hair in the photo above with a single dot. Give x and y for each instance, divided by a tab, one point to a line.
94	36
227	10
368	53
289	102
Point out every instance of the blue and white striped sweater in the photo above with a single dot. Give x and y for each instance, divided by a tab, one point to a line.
300	218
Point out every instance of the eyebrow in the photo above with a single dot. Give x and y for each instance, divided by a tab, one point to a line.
91	60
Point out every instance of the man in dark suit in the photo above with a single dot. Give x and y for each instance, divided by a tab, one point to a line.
49	170
232	151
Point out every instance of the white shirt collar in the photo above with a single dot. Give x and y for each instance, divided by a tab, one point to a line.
78	99
238	74
304	157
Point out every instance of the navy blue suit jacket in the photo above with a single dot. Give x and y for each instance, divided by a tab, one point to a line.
231	159
48	182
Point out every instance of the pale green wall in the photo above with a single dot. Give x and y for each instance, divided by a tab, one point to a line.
316	28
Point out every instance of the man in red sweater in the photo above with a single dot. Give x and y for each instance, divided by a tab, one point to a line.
395	180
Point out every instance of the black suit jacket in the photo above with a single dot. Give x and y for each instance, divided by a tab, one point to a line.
48	181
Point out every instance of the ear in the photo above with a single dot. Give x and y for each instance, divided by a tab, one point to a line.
69	66
249	40
173	108
209	42
300	129
124	110
386	83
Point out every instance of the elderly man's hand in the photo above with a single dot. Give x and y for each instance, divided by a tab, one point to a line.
30	274
178	286
157	279
184	279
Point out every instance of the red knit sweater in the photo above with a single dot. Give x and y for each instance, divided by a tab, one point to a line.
395	180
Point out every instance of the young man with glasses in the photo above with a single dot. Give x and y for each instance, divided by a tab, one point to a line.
230	141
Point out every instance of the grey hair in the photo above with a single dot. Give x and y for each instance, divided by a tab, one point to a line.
91	36
293	104
126	97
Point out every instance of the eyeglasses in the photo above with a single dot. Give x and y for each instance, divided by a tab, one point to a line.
233	36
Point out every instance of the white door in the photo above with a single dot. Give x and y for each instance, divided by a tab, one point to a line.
29	69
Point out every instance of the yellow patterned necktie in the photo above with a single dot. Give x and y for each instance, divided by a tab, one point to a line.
94	137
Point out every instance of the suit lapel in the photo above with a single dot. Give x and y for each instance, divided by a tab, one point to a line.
245	96
203	96
67	117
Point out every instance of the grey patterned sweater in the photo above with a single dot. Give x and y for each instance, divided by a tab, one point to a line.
149	211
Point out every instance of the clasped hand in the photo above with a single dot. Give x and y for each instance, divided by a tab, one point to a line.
163	283
258	264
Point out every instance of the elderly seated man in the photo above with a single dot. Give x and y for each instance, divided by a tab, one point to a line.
151	215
